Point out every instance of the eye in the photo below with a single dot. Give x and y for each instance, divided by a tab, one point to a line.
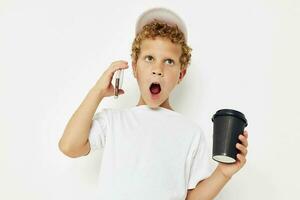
170	61
150	58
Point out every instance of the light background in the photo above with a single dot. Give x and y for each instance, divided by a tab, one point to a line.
245	57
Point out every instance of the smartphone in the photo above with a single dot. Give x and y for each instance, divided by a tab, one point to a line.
118	82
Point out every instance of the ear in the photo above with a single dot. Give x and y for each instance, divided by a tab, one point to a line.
182	74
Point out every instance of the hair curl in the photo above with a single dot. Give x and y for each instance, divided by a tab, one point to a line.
161	29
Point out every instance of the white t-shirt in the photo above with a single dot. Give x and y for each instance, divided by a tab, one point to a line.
148	153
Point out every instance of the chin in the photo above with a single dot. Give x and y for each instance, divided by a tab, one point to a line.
154	103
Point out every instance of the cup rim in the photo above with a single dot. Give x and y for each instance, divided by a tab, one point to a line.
230	112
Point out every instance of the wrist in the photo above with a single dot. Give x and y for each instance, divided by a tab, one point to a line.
221	173
97	91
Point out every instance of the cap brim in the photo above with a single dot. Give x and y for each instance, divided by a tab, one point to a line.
161	14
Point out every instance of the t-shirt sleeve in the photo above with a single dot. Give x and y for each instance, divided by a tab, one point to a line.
98	130
200	161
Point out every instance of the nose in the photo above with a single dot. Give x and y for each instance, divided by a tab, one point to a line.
157	71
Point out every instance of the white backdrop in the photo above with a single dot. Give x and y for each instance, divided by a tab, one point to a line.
245	57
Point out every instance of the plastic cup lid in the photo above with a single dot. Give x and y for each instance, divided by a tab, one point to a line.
230	112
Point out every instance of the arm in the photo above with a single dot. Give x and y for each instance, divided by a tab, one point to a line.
208	188
74	141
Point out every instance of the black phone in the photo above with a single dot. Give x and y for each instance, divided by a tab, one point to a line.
118	82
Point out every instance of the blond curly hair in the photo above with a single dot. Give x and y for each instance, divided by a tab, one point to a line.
161	29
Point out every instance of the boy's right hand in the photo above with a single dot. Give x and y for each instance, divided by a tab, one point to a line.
104	85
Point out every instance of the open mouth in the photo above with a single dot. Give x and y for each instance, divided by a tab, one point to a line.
155	88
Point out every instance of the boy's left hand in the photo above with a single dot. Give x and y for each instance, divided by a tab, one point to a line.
228	170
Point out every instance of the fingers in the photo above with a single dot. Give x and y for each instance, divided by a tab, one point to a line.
104	83
109	72
244	138
242	148
246	134
241	158
121	64
121	91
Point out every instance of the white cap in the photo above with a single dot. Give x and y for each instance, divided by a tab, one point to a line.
161	14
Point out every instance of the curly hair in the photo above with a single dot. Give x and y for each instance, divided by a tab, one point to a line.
161	29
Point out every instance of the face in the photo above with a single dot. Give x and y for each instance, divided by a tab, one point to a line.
158	62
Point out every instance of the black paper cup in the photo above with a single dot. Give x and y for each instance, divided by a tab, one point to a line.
228	125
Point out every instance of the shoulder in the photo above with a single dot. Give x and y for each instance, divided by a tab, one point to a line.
101	113
110	113
105	114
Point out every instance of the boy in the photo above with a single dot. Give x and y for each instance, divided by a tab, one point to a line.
150	152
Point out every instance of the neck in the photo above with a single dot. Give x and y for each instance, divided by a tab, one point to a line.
165	104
